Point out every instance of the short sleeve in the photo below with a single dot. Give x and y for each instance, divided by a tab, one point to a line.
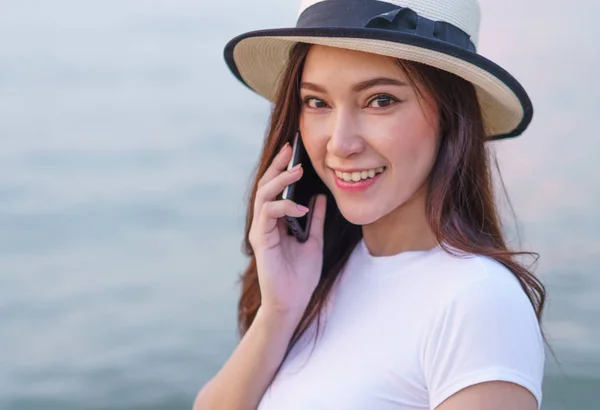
488	332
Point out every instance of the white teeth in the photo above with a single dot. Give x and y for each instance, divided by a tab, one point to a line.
358	175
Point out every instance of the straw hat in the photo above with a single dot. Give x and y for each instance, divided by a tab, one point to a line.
440	33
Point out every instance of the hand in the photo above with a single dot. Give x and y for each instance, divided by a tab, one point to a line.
288	271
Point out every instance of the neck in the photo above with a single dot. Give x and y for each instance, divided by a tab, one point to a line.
404	229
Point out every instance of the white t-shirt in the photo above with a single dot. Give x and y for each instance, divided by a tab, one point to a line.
405	332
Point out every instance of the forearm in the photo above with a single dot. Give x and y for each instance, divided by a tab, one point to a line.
242	381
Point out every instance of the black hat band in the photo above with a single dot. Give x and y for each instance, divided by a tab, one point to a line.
374	14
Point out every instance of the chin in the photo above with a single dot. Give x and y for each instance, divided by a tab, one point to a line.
357	216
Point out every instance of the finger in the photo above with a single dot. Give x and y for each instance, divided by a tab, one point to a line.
269	191
275	186
318	219
272	211
280	163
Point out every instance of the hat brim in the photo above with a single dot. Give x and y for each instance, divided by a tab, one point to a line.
258	59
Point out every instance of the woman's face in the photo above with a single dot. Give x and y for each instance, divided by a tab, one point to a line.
360	116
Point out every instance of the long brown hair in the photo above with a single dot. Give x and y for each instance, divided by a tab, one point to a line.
461	207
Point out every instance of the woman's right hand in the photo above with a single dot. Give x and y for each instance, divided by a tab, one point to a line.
288	271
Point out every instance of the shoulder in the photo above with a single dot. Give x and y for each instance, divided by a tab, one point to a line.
480	304
484	328
460	276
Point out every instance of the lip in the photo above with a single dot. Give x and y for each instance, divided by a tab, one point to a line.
355	186
350	170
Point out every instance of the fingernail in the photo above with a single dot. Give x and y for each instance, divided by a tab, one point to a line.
302	208
284	147
296	168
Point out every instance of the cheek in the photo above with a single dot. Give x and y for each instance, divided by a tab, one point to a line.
412	151
314	143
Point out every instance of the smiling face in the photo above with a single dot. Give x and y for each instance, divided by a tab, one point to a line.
370	137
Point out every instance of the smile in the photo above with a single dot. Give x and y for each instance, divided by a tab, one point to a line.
358	176
357	180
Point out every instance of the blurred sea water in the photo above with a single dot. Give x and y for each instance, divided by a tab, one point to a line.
127	149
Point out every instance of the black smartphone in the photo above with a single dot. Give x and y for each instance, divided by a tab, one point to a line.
303	191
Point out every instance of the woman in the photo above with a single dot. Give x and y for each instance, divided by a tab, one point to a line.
405	296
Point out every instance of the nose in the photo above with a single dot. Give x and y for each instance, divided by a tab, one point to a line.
345	139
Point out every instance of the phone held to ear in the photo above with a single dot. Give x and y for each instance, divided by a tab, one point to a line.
303	191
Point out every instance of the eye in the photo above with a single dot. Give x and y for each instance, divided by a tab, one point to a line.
382	101
313	102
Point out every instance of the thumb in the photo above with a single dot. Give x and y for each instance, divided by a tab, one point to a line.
318	218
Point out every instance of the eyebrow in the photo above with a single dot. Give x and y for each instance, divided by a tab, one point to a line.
358	87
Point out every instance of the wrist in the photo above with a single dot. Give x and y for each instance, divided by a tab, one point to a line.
284	319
